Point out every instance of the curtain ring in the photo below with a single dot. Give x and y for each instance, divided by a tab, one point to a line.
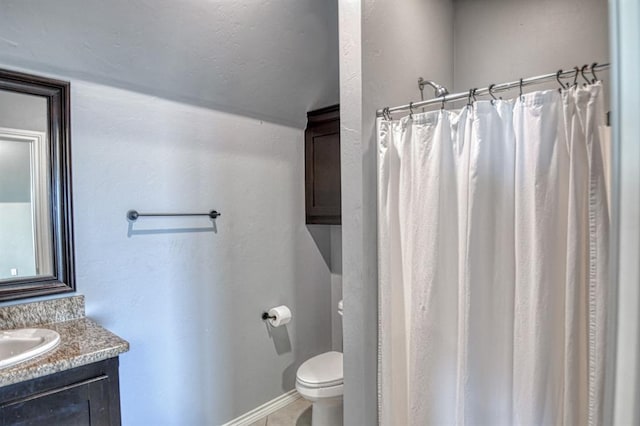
575	76
443	100
469	102
520	86
593	71
385	113
560	81
491	93
410	110
473	93
583	76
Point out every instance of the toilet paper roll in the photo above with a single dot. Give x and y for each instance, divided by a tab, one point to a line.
282	316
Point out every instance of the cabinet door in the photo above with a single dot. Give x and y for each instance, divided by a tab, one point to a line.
84	403
322	167
85	395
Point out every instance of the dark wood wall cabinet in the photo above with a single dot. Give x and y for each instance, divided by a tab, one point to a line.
322	166
87	395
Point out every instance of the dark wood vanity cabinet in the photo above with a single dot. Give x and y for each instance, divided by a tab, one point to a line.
87	395
322	166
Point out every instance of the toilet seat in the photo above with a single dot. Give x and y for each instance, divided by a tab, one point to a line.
317	393
321	371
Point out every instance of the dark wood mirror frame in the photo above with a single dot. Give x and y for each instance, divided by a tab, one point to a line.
57	94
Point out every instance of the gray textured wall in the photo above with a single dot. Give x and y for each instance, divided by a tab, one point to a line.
503	40
272	60
625	34
189	300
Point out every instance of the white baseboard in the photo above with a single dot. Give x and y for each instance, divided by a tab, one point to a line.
265	409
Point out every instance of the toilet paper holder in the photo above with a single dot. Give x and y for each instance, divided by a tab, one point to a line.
277	316
266	316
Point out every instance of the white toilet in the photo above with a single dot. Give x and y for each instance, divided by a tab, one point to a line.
320	380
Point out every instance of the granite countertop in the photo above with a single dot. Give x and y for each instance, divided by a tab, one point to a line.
82	340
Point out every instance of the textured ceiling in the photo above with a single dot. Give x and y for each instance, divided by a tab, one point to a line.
271	60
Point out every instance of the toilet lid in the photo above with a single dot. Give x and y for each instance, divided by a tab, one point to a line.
322	370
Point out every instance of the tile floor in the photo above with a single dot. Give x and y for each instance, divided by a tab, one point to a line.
298	413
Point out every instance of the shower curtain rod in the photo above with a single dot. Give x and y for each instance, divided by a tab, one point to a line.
492	89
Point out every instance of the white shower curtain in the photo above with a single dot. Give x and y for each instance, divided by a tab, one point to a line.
493	257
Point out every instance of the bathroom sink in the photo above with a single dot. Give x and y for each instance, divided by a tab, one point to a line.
21	345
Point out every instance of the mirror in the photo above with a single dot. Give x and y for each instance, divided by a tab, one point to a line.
36	238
